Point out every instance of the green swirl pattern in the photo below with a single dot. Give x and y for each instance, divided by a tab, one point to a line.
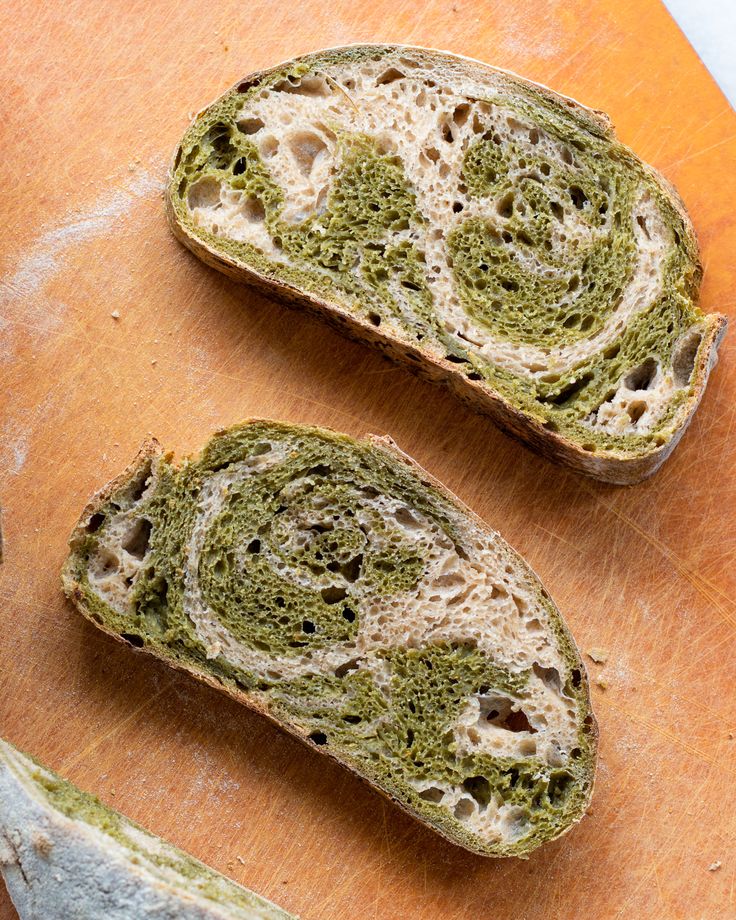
306	569
518	272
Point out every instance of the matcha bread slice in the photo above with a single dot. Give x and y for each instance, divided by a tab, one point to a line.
481	228
335	587
65	856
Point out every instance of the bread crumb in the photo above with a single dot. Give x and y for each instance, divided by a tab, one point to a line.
603	684
599	655
115	314
240	860
714	866
42	844
154	362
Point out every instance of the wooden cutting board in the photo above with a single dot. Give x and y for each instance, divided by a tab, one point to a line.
95	98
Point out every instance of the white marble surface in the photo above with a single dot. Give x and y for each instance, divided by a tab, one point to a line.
710	26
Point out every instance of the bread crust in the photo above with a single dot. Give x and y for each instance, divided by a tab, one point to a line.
616	467
150	451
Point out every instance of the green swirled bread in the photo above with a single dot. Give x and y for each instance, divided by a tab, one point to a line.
66	856
333	586
494	235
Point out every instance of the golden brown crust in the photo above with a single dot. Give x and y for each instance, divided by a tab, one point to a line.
616	467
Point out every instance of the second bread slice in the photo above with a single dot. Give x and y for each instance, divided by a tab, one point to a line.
335	587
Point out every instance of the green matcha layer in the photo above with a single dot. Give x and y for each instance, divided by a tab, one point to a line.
65	856
495	235
333	586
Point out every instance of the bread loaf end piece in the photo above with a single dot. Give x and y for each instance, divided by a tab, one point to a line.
66	855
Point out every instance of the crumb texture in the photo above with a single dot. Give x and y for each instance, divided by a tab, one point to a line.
462	211
364	610
65	855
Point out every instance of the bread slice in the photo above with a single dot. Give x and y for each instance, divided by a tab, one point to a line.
490	233
335	587
65	856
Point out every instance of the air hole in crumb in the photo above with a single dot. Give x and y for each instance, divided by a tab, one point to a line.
642	221
498	710
641	377
389	76
318	737
303	86
333	595
374	319
268	146
239	167
636	410
137	539
550	677
254	547
505	206
250	125
95	522
343	669
479	788
253	210
464	809
577	677
308	626
683	361
460	115
305	147
205	193
433	794
457	207
132	639
578	196
348	614
572	390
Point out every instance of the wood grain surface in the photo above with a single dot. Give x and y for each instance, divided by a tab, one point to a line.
95	98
